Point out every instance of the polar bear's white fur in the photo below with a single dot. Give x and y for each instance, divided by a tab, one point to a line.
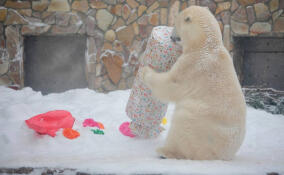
209	119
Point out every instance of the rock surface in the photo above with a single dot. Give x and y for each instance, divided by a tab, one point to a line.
239	28
260	27
118	25
104	19
113	64
261	11
3	14
59	6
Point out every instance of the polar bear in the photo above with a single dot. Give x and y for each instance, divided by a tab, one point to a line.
209	118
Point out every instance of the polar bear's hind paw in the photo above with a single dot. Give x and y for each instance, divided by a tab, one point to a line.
163	152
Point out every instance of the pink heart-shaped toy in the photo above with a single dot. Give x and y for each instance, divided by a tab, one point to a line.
125	130
90	122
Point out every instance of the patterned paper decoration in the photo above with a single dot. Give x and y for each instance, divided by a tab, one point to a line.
145	111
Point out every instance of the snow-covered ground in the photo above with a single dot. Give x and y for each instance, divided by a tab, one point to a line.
262	151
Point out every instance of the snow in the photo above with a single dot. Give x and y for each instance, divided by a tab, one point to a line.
120	28
35	24
262	151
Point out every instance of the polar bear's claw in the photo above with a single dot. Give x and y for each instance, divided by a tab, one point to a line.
162	157
165	154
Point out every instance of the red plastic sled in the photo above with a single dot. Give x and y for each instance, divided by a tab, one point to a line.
50	122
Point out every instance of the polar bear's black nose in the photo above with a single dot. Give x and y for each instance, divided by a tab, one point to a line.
175	39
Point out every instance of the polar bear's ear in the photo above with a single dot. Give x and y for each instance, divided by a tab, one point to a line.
187	19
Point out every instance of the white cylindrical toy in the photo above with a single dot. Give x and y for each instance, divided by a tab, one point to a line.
145	111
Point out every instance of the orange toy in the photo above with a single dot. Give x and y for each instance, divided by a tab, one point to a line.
101	126
70	133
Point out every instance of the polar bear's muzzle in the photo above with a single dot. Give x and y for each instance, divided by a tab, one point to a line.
175	39
174	36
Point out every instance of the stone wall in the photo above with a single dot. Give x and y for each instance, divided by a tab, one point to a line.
117	31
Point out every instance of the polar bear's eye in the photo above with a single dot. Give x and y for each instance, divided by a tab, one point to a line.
187	19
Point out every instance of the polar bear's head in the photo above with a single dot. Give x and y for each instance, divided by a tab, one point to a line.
197	28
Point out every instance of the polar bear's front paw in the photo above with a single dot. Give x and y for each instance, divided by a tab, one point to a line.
146	74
